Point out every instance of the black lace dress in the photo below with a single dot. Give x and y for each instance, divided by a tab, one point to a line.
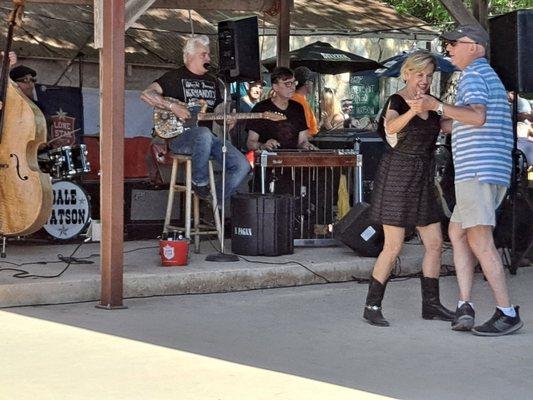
404	192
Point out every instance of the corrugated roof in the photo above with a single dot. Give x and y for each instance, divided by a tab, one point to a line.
63	31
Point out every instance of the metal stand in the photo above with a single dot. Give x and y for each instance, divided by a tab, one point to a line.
358	173
515	257
222	256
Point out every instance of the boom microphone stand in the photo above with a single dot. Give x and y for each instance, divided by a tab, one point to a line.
222	256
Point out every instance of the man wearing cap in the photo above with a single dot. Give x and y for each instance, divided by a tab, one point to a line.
24	77
305	77
482	143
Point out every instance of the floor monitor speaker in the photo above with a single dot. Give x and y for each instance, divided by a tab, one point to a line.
355	231
238	49
511	41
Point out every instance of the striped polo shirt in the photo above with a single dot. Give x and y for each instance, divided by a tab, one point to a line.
483	152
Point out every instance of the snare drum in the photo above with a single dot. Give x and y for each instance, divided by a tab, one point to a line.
65	162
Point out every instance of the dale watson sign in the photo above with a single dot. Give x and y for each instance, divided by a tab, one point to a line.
70	211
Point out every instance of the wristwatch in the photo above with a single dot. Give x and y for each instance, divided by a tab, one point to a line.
440	109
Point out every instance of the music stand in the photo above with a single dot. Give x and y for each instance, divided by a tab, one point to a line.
222	256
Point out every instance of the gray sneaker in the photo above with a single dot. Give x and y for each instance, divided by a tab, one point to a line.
500	324
464	318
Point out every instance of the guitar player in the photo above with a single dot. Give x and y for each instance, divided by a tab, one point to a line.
189	84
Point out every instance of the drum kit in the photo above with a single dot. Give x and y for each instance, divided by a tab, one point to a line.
71	212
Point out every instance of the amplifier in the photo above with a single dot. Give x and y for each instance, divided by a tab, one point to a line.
261	224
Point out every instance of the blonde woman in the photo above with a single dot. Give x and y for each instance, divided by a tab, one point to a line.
404	193
332	116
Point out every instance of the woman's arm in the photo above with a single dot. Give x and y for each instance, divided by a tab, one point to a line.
395	122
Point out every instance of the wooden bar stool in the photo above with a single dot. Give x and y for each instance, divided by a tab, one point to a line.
174	186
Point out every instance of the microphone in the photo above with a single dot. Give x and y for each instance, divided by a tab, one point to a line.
213	70
210	68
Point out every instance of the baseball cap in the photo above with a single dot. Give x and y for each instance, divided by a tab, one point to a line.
21	71
476	33
302	75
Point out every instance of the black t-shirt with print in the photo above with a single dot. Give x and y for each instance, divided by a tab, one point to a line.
285	132
185	86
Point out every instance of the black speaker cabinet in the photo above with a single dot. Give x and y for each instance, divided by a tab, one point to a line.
511	43
262	224
238	49
356	232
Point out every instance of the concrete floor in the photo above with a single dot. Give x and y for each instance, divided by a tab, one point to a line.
290	343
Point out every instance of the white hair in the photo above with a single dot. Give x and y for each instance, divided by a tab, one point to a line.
192	43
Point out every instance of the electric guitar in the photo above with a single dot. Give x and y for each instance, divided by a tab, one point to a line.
168	126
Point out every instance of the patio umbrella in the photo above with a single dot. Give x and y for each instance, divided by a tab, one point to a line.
323	58
394	64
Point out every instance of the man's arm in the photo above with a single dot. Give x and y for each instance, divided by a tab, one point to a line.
153	95
253	143
472	114
303	141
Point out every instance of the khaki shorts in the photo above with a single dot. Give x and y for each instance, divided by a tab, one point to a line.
476	203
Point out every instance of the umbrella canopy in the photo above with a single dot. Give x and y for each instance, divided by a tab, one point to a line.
394	64
323	58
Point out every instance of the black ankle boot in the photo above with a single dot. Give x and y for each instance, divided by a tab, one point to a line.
431	306
372	312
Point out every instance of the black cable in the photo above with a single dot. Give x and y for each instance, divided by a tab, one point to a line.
69	260
21	273
277	263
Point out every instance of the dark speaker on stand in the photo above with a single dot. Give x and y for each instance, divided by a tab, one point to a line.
511	41
356	232
238	49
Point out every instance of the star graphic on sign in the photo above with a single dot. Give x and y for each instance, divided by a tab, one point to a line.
61	114
80	200
63	231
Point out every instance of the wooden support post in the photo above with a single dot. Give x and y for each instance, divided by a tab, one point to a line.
459	12
112	152
284	34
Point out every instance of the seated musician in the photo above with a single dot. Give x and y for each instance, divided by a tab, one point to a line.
187	84
291	133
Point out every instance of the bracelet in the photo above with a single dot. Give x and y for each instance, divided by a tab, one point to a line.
170	105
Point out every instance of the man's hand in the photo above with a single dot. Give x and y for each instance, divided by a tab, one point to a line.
179	110
308	146
270	144
422	103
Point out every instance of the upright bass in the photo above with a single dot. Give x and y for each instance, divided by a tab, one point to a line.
25	191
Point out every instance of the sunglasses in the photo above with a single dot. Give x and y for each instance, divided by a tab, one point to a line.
26	80
288	84
454	43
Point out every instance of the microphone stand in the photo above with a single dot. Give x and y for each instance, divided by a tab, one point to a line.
222	256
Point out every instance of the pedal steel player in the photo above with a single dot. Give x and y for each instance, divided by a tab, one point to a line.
192	83
291	133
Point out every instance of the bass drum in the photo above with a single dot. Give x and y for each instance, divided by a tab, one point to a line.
71	211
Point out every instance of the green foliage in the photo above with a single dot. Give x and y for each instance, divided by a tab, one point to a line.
434	13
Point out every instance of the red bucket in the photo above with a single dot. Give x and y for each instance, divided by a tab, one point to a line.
174	252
